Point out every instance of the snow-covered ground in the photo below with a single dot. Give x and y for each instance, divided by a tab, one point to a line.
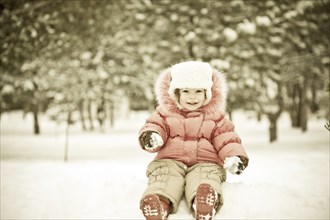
105	175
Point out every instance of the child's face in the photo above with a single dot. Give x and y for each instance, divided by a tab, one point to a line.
191	99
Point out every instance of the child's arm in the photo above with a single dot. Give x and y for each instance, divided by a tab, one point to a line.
229	147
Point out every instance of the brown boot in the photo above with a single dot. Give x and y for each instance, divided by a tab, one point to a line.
205	202
154	208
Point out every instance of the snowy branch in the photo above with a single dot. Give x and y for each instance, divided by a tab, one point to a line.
327	125
28	7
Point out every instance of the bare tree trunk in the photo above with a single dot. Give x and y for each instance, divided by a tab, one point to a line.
294	109
66	147
101	113
303	107
89	112
273	126
314	105
230	113
111	113
274	116
81	113
190	50
35	112
259	116
299	107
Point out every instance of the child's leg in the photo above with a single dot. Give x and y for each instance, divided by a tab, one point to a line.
206	174
166	180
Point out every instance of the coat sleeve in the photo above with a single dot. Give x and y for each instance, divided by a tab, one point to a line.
227	142
155	123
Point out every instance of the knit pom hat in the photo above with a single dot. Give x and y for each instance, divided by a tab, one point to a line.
191	75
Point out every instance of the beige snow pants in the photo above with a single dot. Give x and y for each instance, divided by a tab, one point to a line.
171	178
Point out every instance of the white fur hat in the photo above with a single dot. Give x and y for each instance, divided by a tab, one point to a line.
191	75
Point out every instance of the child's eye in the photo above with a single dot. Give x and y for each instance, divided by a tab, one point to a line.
185	91
199	91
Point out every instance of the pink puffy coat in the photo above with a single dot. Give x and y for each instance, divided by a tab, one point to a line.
204	135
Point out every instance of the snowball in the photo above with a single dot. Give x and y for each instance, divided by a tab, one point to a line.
231	164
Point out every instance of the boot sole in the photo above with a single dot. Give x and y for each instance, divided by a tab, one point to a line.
205	202
151	207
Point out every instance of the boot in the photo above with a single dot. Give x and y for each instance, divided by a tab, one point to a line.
205	202
154	208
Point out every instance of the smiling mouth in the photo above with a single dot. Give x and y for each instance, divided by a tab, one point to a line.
192	103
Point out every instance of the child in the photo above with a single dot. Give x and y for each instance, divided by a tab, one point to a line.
194	141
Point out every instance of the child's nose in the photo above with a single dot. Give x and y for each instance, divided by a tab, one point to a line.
192	95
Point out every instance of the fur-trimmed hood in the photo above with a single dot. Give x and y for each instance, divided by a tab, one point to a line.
217	103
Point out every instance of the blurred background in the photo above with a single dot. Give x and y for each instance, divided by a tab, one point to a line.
91	62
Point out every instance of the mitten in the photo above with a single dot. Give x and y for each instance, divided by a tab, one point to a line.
234	165
150	140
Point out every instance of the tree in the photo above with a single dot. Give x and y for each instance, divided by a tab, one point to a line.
274	53
72	33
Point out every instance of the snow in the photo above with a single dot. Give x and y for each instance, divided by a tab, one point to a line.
263	21
220	64
247	27
231	164
105	175
230	34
